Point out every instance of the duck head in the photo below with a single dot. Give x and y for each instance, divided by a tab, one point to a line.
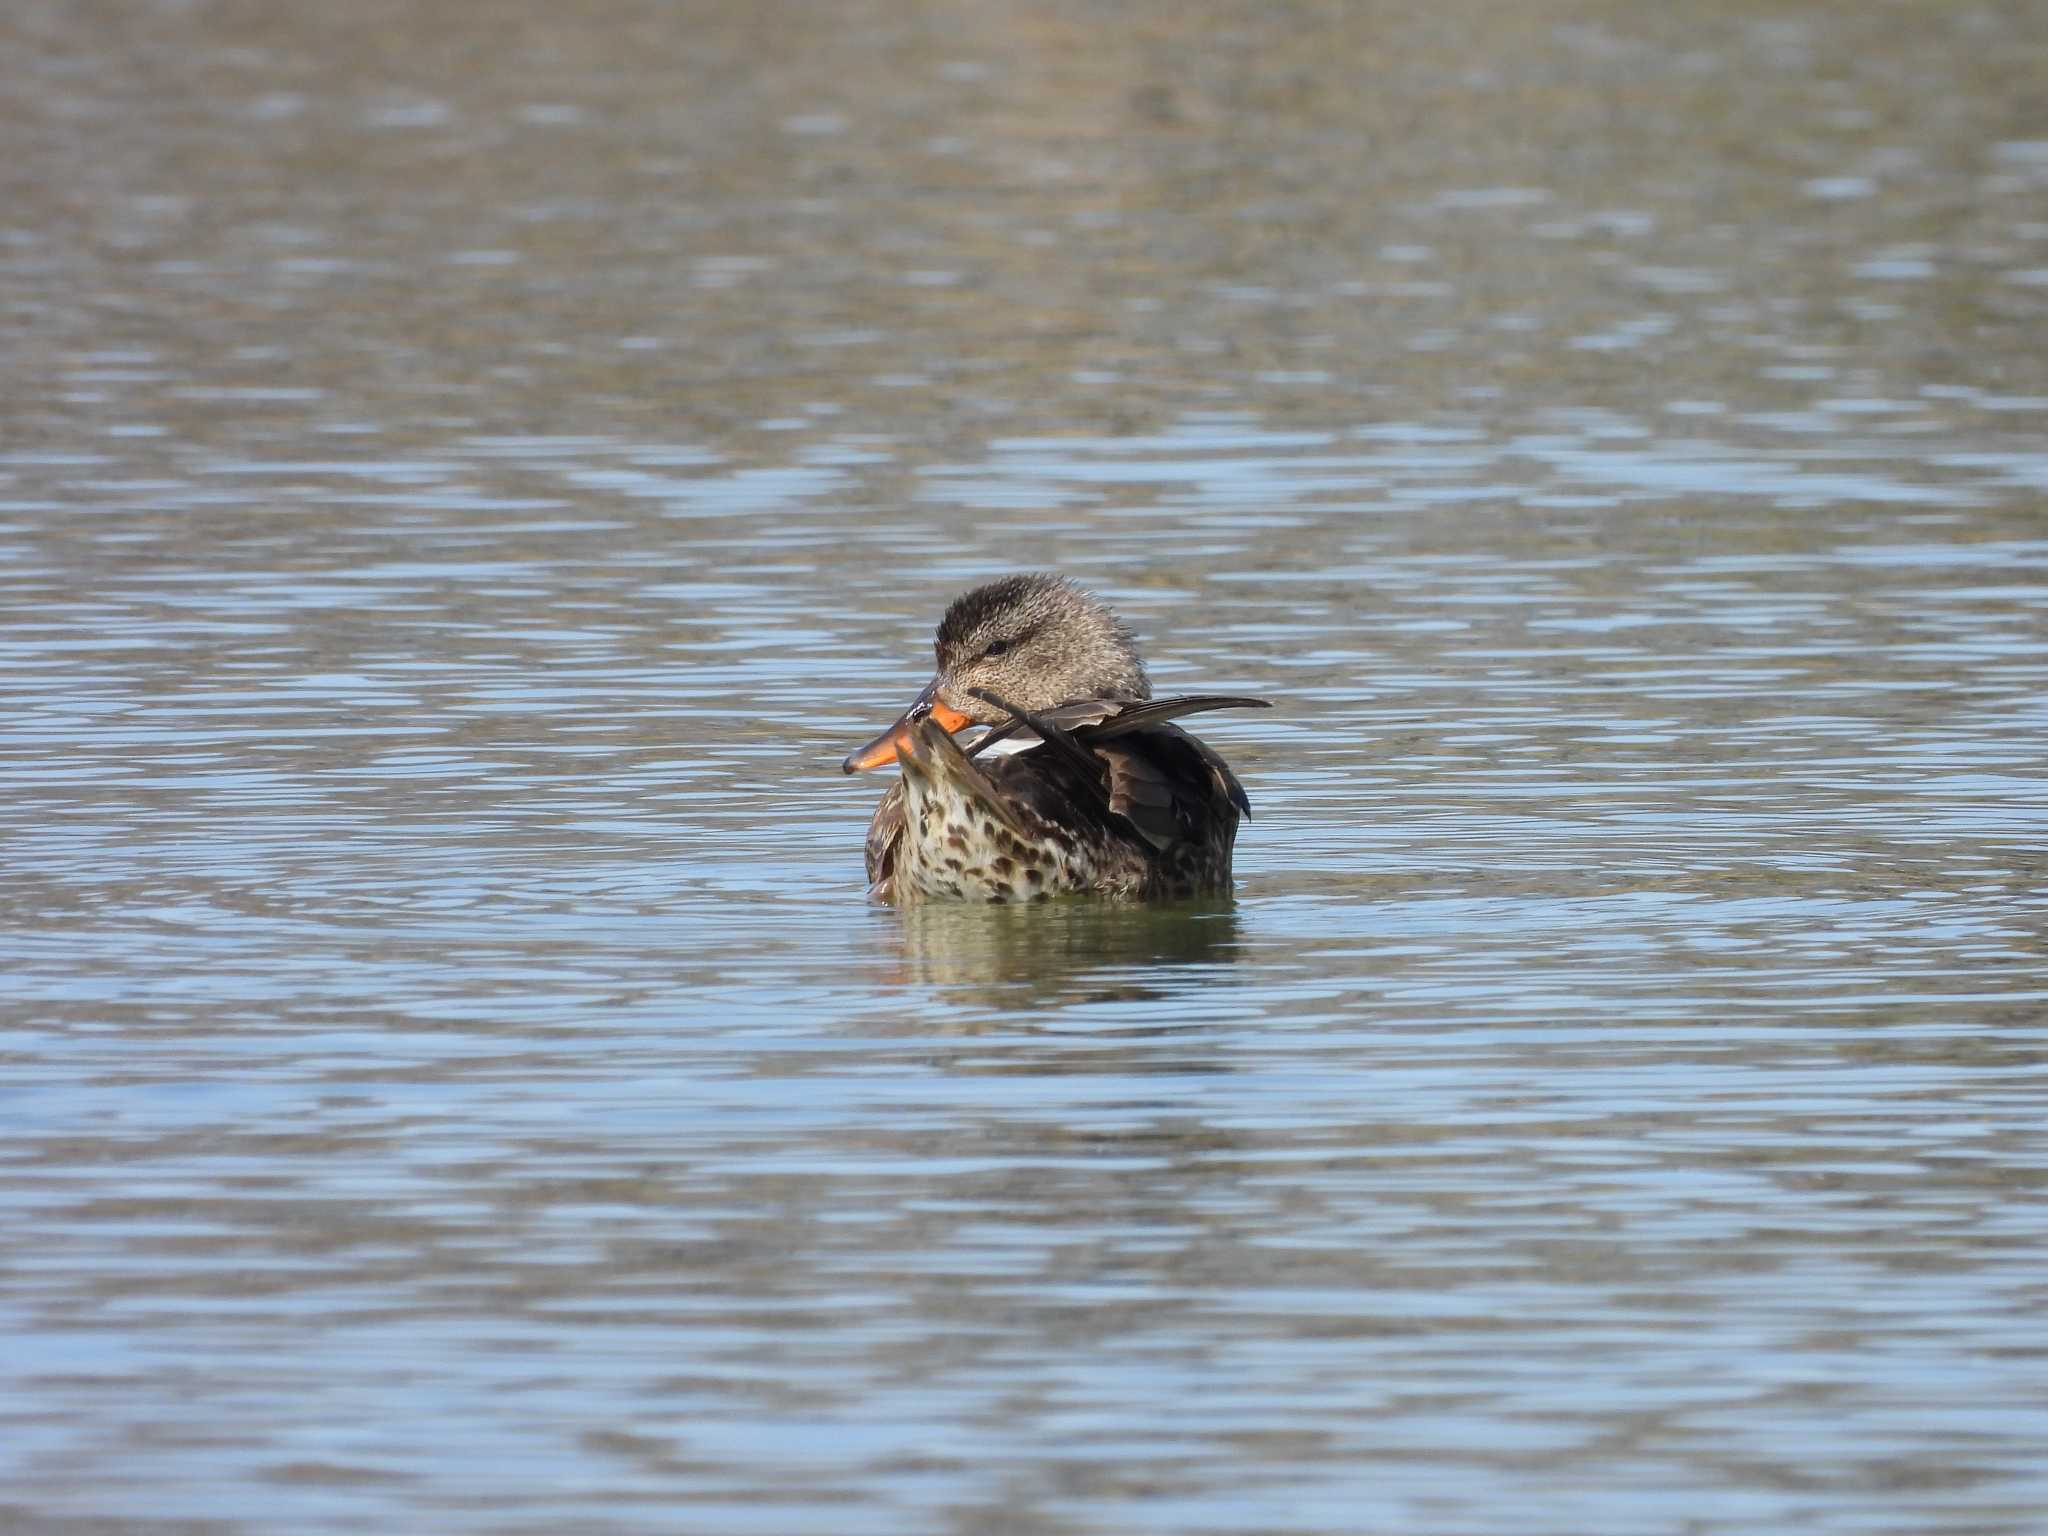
1036	640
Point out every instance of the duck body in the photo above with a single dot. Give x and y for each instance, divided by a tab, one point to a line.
1084	785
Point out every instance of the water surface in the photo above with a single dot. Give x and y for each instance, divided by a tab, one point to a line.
464	487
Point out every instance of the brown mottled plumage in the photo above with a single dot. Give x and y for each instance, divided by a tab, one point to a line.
1080	784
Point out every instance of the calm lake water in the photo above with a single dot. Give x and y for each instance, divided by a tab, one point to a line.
466	480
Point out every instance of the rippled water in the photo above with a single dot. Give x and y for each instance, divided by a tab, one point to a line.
464	487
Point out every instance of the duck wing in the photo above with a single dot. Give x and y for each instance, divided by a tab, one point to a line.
1115	717
1129	760
1171	788
1083	773
1151	712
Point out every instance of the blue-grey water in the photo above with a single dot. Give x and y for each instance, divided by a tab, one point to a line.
464	482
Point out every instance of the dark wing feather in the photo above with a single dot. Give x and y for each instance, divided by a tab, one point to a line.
1076	713
1226	781
1141	792
1115	717
1171	787
1138	717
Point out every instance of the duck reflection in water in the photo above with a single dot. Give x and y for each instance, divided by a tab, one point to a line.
1063	950
1079	784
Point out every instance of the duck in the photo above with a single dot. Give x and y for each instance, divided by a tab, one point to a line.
1078	783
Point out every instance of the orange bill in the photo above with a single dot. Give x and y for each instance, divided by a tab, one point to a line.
882	751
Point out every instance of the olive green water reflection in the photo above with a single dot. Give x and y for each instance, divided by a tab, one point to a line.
1072	950
464	482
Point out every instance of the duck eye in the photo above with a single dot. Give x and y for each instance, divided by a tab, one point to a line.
996	647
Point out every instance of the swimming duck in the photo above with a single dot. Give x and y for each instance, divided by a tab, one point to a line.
1080	781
